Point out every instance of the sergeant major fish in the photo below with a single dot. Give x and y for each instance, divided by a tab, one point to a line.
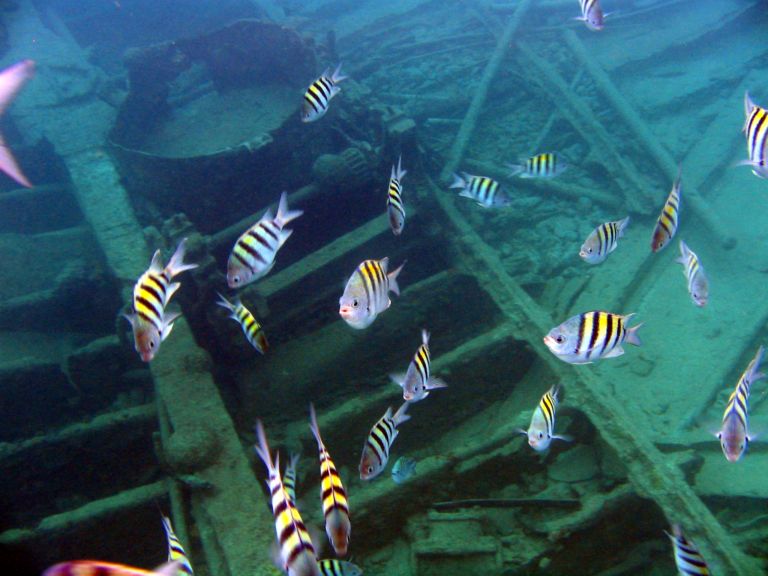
590	336
395	207
296	549
417	381
403	469
547	165
602	241
12	79
253	331
688	559
366	294
698	284
379	442
540	433
318	95
96	568
176	551
734	433
289	478
332	494
591	14
151	294
333	567
756	131
666	225
483	190
253	255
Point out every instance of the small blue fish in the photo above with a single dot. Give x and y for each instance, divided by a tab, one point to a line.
403	469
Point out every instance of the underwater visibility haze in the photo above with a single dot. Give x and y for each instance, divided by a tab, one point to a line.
422	287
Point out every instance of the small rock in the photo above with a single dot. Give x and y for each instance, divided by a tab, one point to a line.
578	464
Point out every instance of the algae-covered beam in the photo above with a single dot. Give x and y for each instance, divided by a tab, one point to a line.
642	133
481	92
624	173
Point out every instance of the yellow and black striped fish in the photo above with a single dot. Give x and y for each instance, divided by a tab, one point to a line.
176	551
151	294
547	165
366	294
296	549
481	189
417	381
379	442
602	241
756	130
591	14
333	567
253	331
734	433
698	283
395	207
96	568
332	494
541	432
289	478
587	337
688	559
253	255
666	225
318	95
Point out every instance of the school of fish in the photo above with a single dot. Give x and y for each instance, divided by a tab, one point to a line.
582	339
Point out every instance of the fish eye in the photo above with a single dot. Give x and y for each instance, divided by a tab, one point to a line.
151	344
559	339
370	469
236	279
589	250
541	435
355	303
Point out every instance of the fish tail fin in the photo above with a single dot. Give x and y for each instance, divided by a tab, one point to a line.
632	337
262	447
337	75
393	286
622	226
400	416
434	383
458	182
294	461
748	107
400	172
169	569
424	337
313	424
224	303
284	215
398	379
176	264
514	169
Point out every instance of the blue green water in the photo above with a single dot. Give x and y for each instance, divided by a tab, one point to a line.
138	124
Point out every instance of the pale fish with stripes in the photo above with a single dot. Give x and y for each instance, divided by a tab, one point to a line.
602	241
253	255
592	14
546	165
395	206
756	132
332	494
734	432
296	549
253	331
418	381
666	225
333	567
379	442
366	294
698	284
483	190
97	568
151	294
176	551
318	95
289	478
541	431
688	559
590	336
